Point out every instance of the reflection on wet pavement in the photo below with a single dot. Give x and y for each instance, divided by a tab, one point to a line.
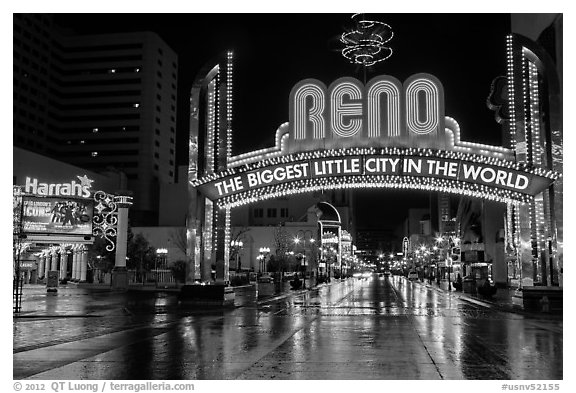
379	328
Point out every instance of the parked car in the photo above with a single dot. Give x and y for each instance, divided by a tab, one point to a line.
265	277
386	273
412	275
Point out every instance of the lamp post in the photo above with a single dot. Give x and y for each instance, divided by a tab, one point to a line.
311	242
449	263
305	264
160	255
442	241
264	251
237	246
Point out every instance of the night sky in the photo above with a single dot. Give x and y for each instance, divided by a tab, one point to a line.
275	51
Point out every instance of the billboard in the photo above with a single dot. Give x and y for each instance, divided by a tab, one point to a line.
58	216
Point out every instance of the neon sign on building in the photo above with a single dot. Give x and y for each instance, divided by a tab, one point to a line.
72	189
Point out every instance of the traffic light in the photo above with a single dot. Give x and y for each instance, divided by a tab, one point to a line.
455	254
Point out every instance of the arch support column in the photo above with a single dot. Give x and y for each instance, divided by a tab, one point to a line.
222	245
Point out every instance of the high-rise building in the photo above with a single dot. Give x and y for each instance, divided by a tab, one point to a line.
99	102
31	67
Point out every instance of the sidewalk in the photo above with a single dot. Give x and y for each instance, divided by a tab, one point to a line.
72	300
502	300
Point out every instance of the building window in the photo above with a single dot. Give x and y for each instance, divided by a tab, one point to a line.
284	212
271	212
258	212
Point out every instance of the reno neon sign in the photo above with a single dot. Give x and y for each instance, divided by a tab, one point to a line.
384	112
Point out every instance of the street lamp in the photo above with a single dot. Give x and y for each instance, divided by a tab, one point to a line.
442	241
449	263
264	251
160	254
237	246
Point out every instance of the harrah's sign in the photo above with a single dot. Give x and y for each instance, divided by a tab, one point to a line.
73	189
383	112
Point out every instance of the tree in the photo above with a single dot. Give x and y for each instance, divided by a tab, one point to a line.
99	257
141	255
178	269
280	261
179	240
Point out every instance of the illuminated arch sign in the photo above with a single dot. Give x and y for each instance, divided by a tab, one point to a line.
384	134
385	112
391	168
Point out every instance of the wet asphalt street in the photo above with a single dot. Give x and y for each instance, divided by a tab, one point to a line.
377	328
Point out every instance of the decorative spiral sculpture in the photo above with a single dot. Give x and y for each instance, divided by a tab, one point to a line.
105	221
366	43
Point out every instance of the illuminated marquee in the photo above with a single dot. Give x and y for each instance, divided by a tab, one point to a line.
71	189
382	113
512	181
385	134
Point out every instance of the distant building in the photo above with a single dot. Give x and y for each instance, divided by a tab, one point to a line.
98	102
417	227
